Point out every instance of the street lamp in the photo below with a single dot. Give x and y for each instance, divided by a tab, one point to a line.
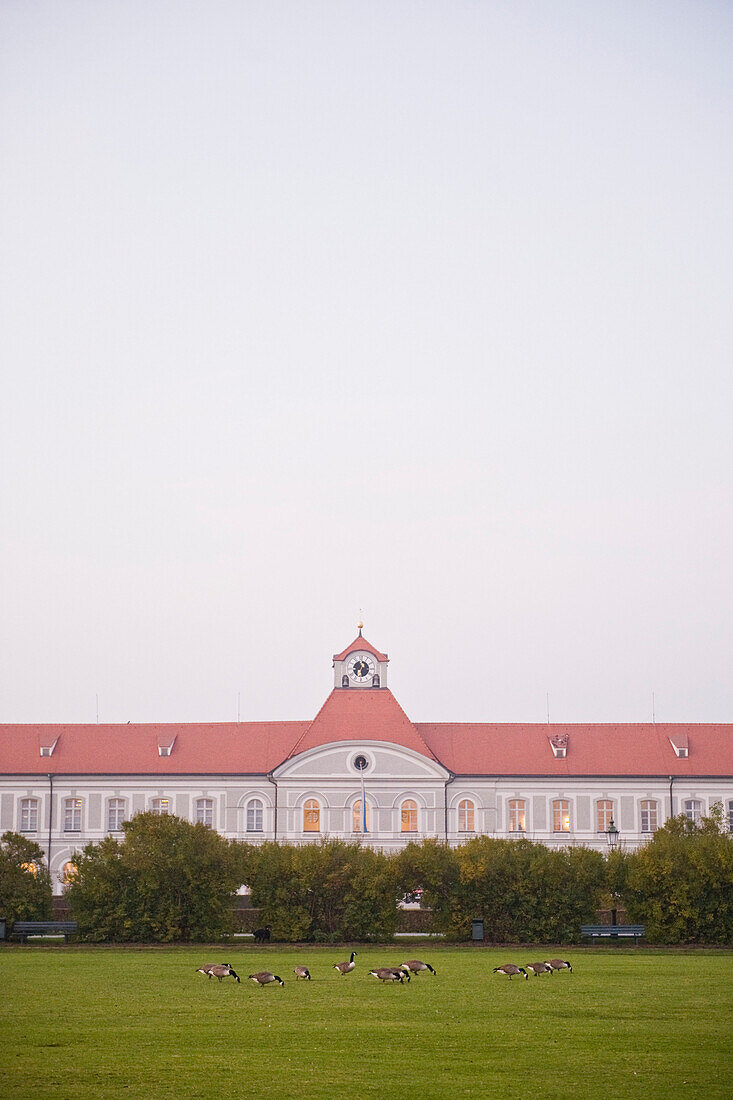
612	835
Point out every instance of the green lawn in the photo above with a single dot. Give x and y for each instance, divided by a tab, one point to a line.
98	1022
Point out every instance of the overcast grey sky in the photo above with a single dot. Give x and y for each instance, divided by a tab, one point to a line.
420	308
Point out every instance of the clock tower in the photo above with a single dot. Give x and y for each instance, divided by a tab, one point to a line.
360	665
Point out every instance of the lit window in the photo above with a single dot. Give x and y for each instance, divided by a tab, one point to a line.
604	815
560	815
357	816
311	816
205	811
30	867
465	816
693	810
160	806
115	814
72	815
254	816
408	816
649	816
28	815
69	872
517	815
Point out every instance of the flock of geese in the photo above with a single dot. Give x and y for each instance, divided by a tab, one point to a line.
399	973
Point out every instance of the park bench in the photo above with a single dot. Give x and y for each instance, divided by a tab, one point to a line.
26	928
613	931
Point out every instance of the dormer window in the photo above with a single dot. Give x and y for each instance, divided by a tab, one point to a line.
166	750
681	746
559	745
47	750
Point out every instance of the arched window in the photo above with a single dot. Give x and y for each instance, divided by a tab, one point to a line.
311	816
205	811
517	815
561	815
604	814
68	872
357	818
466	816
115	814
693	810
254	816
160	806
72	815
649	816
30	867
408	816
29	815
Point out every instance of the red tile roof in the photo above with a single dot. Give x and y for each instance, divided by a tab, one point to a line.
592	748
360	643
353	714
361	714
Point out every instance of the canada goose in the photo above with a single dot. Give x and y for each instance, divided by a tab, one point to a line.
346	967
265	977
416	966
302	972
559	964
223	970
539	968
208	967
390	974
262	935
510	969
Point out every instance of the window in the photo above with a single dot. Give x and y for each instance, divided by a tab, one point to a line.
254	816
72	815
517	815
466	816
408	816
560	815
28	815
693	810
31	868
311	816
160	806
604	814
205	811
649	816
115	814
730	816
68	872
357	818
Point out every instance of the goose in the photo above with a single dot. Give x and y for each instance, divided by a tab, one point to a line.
302	972
416	966
346	967
390	974
265	977
510	970
223	970
208	967
539	968
559	964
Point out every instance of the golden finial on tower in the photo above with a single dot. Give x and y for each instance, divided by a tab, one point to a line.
360	624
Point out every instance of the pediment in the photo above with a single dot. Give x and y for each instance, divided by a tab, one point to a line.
335	761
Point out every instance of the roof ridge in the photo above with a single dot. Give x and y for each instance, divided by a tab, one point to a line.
414	726
308	727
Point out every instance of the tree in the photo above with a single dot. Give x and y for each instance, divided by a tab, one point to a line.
25	884
332	890
166	880
680	884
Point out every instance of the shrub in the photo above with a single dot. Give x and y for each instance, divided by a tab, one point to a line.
166	880
25	884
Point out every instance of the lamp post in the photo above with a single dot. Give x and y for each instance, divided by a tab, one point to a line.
612	836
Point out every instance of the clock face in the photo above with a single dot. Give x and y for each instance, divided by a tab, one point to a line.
361	668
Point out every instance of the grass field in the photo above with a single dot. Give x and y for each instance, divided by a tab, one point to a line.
141	1023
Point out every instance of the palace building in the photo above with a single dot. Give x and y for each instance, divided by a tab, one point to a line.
361	769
